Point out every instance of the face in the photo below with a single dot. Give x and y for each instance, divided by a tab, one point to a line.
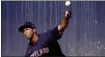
28	32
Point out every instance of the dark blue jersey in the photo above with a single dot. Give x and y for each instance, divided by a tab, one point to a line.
46	45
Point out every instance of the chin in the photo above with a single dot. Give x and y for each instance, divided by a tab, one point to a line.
29	37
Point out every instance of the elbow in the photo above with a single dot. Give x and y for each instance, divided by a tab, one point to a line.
65	25
62	27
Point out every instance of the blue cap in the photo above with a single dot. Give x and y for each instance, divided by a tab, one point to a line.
26	25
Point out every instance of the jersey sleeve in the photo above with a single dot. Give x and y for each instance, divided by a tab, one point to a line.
53	34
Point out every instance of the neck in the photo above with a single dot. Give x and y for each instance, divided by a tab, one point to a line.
34	38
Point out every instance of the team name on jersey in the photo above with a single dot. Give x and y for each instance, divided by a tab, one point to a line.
40	52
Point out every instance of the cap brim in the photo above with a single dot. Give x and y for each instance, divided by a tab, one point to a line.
21	28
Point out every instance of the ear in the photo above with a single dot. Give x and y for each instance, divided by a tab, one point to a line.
34	30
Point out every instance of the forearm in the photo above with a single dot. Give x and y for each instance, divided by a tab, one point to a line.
64	22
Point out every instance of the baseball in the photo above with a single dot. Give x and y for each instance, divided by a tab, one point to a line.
67	3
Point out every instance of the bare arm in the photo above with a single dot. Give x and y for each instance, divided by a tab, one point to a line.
64	23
